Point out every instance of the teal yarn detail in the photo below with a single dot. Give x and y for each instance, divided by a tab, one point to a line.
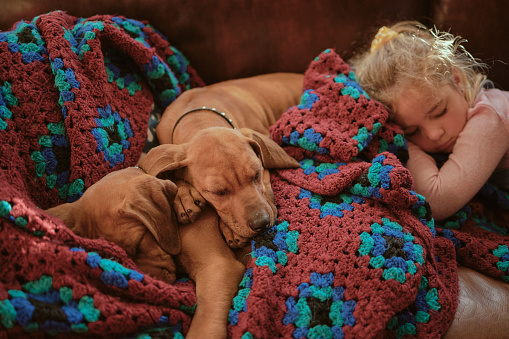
364	136
367	244
86	307
489	225
66	294
422	211
395	273
239	301
308	98
319	303
19	220
131	81
291	241
304	316
502	253
20	309
317	58
351	86
80	35
432	299
112	135
57	128
282	258
377	177
405	329
7	314
39	286
422	317
320	331
309	140
374	174
188	309
266	261
17	294
321	293
403	257
5	208
283	226
109	265
113	273
323	169
331	206
7	100
26	40
425	305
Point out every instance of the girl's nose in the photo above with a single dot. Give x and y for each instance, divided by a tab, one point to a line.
434	133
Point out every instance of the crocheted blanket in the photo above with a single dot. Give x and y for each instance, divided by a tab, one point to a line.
75	99
355	253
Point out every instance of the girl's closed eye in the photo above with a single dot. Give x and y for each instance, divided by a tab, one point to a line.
411	132
441	114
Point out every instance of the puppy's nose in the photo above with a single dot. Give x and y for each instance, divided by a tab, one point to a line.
260	223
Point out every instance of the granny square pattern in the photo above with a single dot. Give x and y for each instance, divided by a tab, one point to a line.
355	252
75	99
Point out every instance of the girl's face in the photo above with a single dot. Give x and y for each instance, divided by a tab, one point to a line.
432	119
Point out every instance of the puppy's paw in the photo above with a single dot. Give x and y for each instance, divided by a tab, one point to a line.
188	203
233	240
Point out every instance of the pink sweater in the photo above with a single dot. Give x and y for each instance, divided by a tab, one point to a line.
481	147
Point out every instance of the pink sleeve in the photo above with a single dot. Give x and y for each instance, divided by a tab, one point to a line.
477	152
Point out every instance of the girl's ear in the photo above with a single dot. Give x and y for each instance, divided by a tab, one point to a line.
458	78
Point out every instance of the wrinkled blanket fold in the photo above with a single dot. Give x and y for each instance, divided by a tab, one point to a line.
354	253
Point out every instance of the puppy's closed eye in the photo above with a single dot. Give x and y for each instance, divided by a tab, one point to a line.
221	193
217	192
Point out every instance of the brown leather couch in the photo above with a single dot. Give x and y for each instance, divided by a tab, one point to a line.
232	39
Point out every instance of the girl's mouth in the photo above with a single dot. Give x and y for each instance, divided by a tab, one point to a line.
445	146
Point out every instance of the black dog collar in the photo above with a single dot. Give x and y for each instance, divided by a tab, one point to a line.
221	114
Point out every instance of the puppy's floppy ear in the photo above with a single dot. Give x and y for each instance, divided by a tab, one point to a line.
150	202
66	212
163	158
272	155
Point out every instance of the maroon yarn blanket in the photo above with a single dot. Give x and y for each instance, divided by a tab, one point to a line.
75	98
355	252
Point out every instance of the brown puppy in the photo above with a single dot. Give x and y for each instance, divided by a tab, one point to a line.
229	168
133	210
255	103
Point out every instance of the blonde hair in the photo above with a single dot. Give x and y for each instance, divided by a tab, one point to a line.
416	57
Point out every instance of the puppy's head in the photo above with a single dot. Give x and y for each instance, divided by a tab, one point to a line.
229	169
125	207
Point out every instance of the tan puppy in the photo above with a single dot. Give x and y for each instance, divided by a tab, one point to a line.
229	168
133	210
254	103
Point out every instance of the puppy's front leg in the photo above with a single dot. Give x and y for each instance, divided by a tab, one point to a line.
188	202
216	272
